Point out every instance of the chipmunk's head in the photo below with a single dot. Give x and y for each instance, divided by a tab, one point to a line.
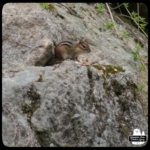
84	46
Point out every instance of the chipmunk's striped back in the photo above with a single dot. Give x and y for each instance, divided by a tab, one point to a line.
69	43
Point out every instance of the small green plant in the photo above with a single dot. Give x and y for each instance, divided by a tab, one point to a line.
140	20
124	34
142	67
141	87
48	6
143	26
126	5
109	25
136	52
44	5
101	7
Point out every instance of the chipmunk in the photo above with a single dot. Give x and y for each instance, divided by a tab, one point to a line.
68	49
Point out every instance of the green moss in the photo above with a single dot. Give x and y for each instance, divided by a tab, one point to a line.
33	95
124	104
119	118
99	67
68	145
124	130
48	6
102	113
89	73
31	107
67	133
43	138
26	108
29	110
133	88
109	69
40	78
117	87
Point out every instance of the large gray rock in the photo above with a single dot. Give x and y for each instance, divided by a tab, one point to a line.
67	104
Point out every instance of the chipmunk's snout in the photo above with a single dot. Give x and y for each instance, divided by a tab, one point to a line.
89	50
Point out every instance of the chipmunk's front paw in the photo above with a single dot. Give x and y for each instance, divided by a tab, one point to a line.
84	63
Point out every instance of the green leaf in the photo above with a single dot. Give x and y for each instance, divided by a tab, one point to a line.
124	34
141	87
126	4
135	57
133	52
138	47
143	26
134	14
135	19
100	8
109	25
141	67
44	5
141	18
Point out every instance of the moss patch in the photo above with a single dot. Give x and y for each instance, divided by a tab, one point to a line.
124	104
134	89
124	130
29	108
43	137
48	6
102	111
89	73
117	87
40	79
109	69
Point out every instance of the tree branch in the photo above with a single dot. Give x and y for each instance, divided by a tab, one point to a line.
112	18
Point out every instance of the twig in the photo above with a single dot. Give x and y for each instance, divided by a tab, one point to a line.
142	60
136	22
130	47
131	18
71	11
129	29
112	18
117	6
15	130
119	9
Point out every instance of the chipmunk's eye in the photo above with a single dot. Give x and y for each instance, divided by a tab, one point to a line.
83	46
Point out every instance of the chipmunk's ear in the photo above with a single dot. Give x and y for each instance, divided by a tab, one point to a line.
82	40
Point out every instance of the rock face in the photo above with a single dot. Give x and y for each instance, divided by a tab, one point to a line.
67	104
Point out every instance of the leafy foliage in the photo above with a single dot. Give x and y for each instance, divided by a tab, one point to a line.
140	20
101	8
141	67
48	6
44	5
126	5
124	34
136	52
109	25
141	87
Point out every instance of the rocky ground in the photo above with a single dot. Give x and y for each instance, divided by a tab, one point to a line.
68	104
